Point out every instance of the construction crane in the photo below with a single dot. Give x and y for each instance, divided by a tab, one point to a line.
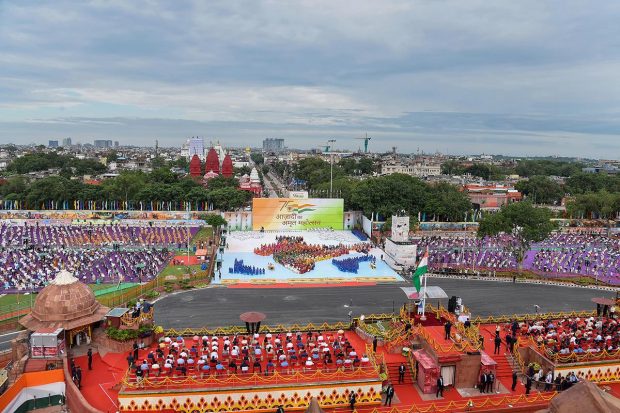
329	144
366	139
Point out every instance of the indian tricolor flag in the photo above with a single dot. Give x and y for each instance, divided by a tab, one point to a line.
420	271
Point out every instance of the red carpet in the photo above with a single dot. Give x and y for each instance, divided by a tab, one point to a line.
302	285
182	260
116	361
97	383
243	379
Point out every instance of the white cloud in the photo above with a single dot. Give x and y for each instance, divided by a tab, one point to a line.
353	65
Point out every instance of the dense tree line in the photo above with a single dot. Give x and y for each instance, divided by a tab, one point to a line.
161	185
257	158
315	171
383	195
589	195
525	168
387	195
594	205
521	219
68	165
541	190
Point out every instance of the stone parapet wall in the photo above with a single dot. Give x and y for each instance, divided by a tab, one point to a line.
75	401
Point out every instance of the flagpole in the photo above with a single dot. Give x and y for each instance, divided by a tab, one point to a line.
423	317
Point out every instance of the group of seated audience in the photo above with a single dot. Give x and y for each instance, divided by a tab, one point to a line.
574	335
489	253
248	354
578	254
12	234
561	254
295	254
31	268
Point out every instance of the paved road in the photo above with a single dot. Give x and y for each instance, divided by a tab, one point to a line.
221	306
5	340
274	185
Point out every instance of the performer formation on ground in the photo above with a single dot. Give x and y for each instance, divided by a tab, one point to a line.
300	257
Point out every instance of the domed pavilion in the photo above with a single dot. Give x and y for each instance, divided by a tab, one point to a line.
66	303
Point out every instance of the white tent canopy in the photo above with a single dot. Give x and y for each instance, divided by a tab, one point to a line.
432	293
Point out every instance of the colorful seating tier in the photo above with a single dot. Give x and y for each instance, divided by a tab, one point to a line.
562	254
31	269
81	235
285	353
30	255
577	254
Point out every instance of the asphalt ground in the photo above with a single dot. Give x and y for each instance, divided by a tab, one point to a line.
5	340
213	307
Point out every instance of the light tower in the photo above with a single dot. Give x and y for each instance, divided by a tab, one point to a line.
331	165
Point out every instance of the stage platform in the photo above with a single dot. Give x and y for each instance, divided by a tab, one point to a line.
241	245
289	383
109	388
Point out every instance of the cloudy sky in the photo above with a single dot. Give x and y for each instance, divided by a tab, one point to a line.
464	76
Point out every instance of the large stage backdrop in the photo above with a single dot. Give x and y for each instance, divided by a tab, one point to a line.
289	213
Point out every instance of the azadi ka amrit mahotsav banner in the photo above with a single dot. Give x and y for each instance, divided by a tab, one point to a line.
299	214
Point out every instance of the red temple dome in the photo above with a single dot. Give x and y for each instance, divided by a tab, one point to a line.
195	167
213	162
227	166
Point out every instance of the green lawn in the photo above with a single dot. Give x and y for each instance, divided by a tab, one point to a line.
11	302
96	287
177	270
204	234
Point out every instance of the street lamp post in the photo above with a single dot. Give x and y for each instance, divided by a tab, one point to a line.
331	167
188	235
331	174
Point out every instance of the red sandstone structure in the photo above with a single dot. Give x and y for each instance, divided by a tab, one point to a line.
227	166
212	163
250	183
68	304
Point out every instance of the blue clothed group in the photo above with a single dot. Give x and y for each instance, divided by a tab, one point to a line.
352	265
240	268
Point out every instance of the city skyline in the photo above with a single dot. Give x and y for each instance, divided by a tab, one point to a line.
522	79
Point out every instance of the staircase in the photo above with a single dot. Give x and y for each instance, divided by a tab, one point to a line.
504	368
392	370
505	362
514	365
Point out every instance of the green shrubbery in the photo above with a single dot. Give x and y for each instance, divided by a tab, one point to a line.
126	335
151	294
185	284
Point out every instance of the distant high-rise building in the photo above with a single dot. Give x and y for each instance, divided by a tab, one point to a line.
273	145
102	143
116	144
66	142
52	144
196	146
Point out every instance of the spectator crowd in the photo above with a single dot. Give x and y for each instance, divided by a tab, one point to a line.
560	255
31	255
